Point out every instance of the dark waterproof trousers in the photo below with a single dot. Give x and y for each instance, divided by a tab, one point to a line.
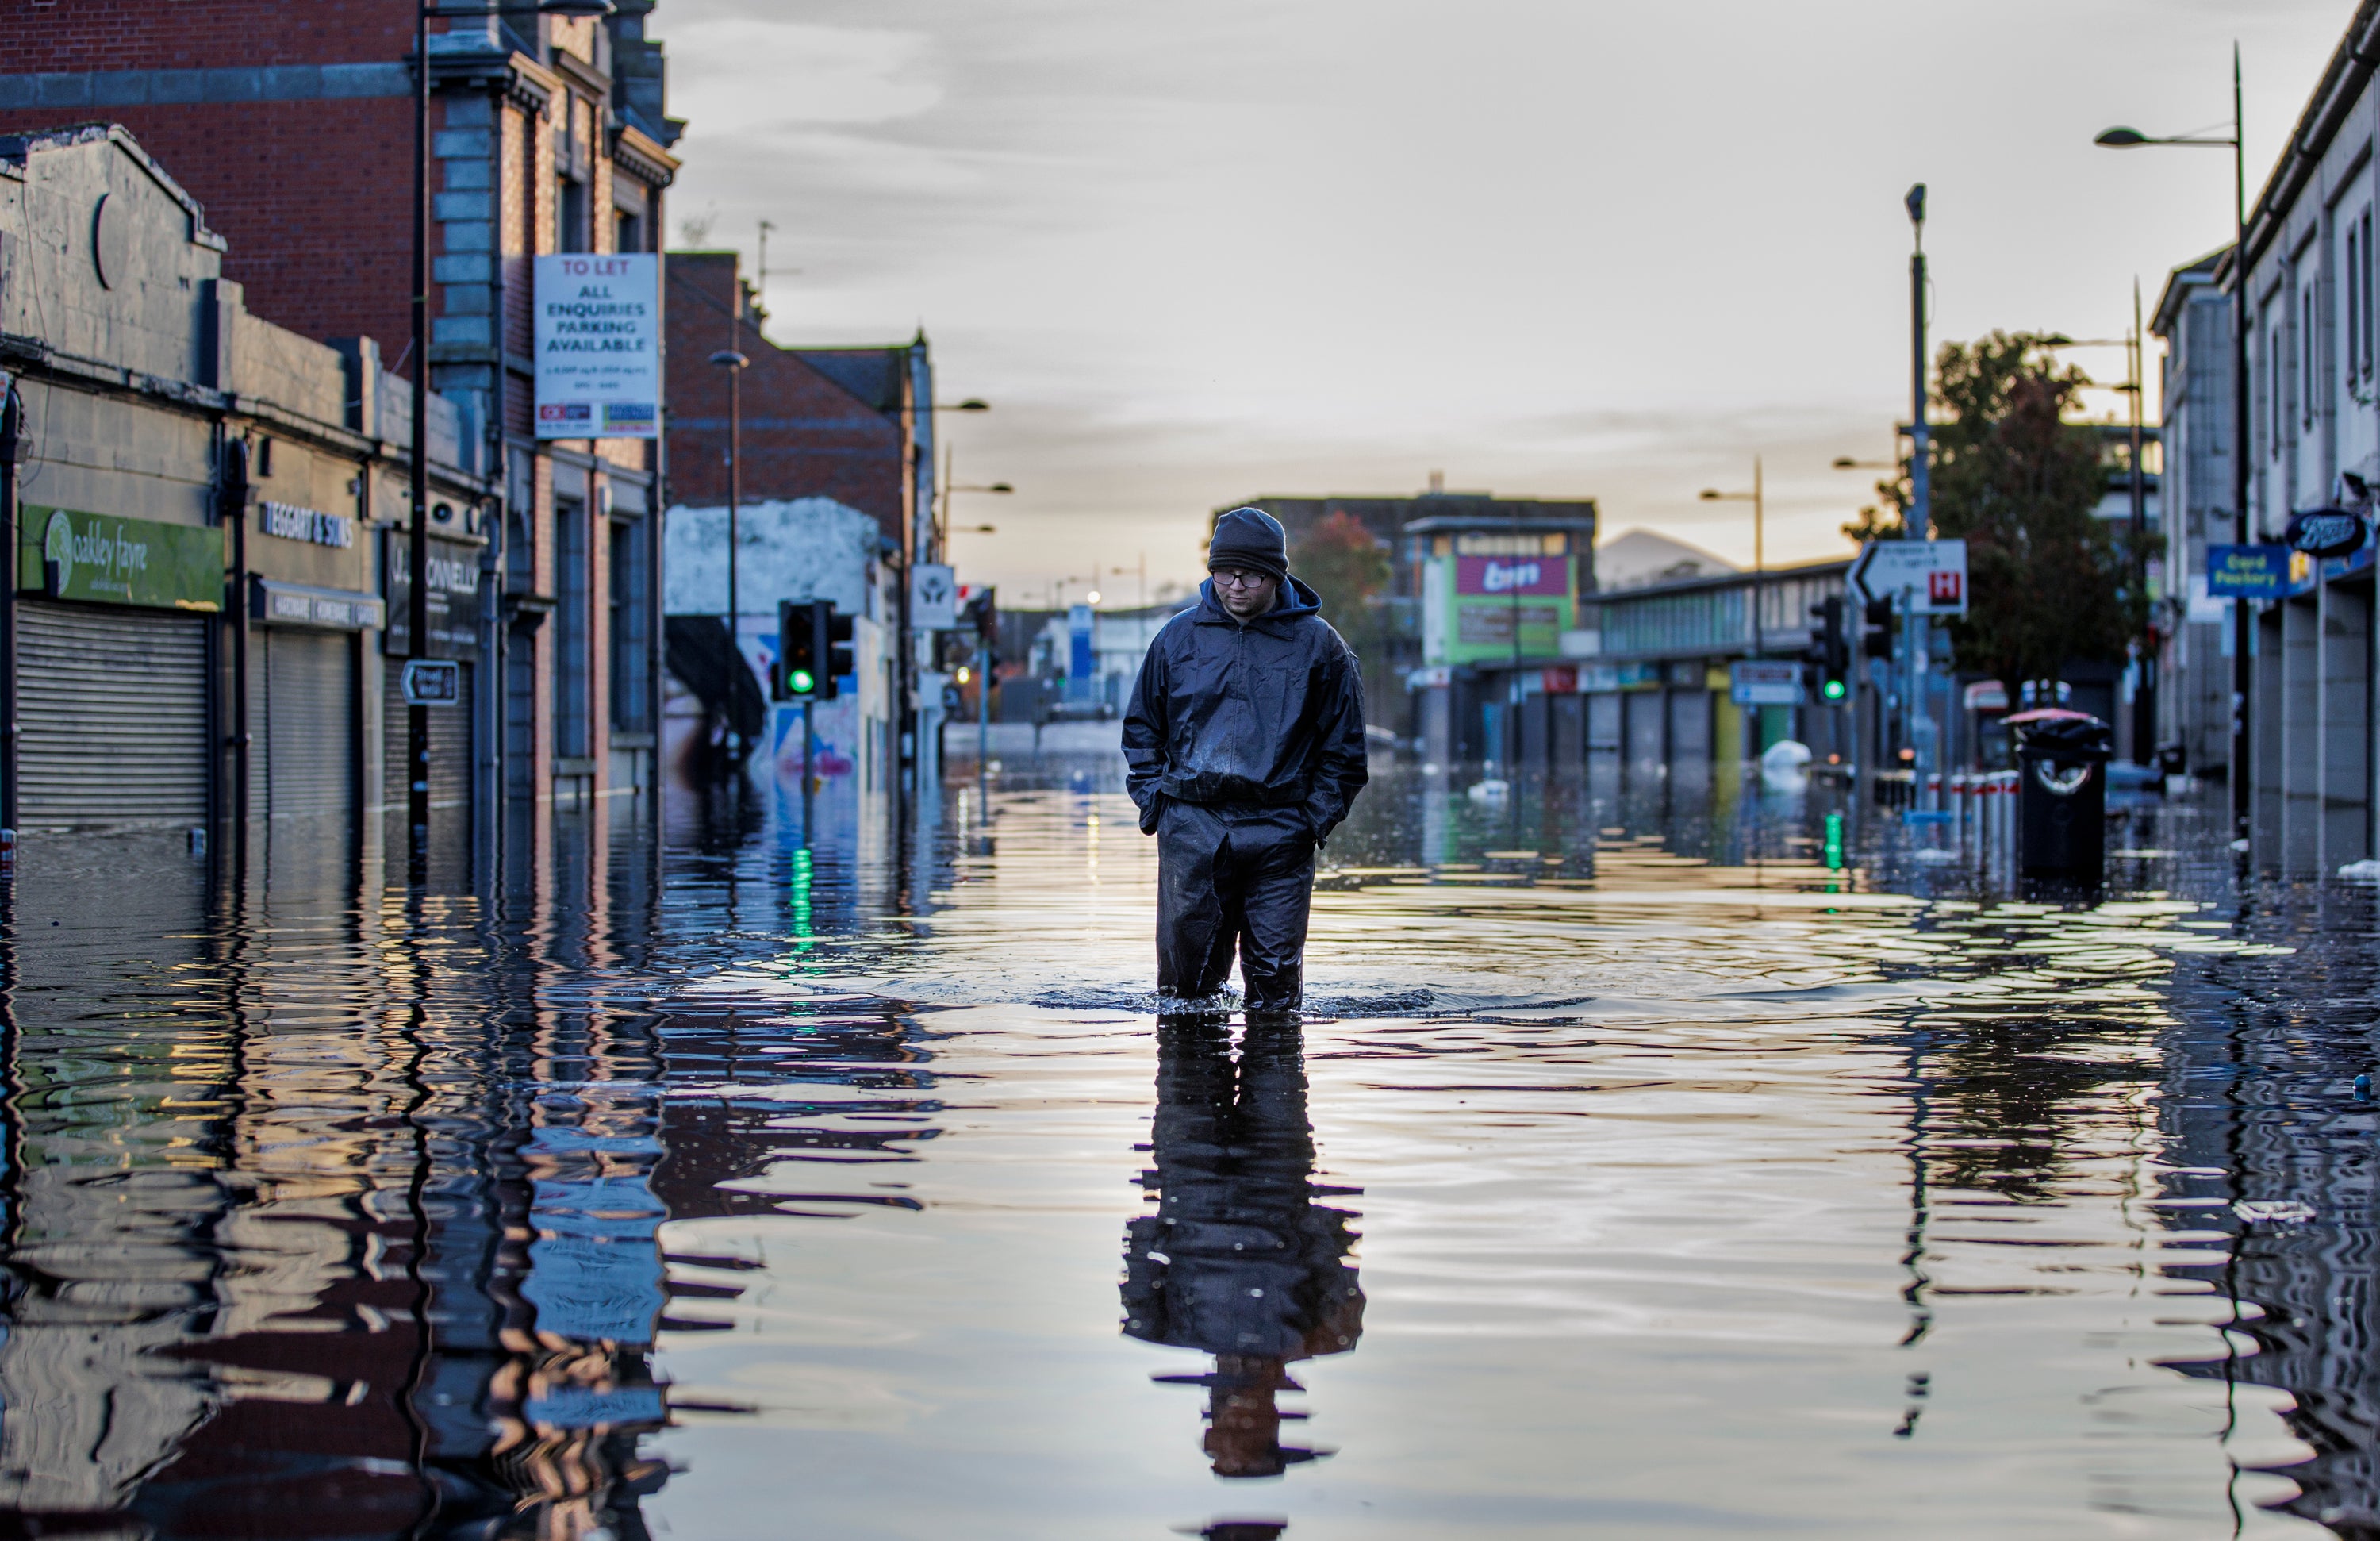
1233	877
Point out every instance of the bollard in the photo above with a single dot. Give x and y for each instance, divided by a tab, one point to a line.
2062	802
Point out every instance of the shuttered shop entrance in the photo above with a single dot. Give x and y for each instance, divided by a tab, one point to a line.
113	703
450	742
304	750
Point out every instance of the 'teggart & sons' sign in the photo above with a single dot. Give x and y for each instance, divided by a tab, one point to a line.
292	523
598	345
70	555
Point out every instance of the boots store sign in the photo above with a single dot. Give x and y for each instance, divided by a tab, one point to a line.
599	347
71	555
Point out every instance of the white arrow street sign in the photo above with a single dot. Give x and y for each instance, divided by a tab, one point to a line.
1931	576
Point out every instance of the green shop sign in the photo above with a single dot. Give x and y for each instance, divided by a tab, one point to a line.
95	556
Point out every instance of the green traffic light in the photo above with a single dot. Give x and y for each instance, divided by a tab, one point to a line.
801	681
1832	690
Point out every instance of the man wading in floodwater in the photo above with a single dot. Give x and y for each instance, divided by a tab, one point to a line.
1246	741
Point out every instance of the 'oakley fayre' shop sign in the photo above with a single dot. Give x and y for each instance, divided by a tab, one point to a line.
97	557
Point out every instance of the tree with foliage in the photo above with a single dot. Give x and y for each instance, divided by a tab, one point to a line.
2049	582
1347	566
1342	561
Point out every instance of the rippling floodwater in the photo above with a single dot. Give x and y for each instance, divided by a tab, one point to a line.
1633	1175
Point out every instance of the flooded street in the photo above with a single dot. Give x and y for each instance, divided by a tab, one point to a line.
1633	1174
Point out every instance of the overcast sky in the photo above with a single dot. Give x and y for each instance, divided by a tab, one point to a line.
1196	254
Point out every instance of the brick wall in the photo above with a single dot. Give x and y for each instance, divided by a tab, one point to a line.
201	34
266	171
278	180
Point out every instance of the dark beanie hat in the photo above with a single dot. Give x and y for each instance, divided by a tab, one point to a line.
1249	537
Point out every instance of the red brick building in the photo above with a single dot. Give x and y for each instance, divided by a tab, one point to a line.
291	121
839	423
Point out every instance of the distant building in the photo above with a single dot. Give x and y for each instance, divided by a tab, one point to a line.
1558	532
838	486
293	126
2194	318
1648	694
840	423
1038	679
206	618
2307	276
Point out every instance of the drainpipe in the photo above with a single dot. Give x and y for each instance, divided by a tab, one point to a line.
494	689
232	509
12	415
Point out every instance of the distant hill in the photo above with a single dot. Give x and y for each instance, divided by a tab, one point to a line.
1637	557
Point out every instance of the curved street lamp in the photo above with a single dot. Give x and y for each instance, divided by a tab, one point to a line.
735	364
1759	540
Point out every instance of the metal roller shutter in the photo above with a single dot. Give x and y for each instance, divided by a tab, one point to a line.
450	742
1690	728
114	708
1647	736
301	697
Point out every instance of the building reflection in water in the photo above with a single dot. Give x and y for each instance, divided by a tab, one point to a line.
1240	1260
329	1210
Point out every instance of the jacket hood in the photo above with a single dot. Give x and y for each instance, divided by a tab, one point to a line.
1296	600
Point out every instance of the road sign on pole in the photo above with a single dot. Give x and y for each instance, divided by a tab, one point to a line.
1764	682
1929	576
434	682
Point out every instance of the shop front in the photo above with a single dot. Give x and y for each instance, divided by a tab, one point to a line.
456	587
112	646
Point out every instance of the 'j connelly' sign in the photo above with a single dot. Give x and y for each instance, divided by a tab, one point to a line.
599	347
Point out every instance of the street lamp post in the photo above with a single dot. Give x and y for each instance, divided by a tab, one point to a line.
417	544
982	644
735	364
1916	633
2243	674
1759	540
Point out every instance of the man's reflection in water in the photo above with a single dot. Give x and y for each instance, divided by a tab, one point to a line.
1239	1260
573	1392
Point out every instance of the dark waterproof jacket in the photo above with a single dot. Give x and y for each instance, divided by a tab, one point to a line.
1268	714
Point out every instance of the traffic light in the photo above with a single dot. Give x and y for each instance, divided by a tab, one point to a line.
980	610
813	650
1875	629
1830	650
835	633
800	650
977	634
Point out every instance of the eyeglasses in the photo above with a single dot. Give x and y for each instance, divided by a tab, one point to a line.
1231	578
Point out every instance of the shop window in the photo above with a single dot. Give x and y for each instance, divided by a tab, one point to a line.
571	657
631	636
570	232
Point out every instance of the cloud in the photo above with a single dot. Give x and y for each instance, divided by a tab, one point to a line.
1193	253
745	75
